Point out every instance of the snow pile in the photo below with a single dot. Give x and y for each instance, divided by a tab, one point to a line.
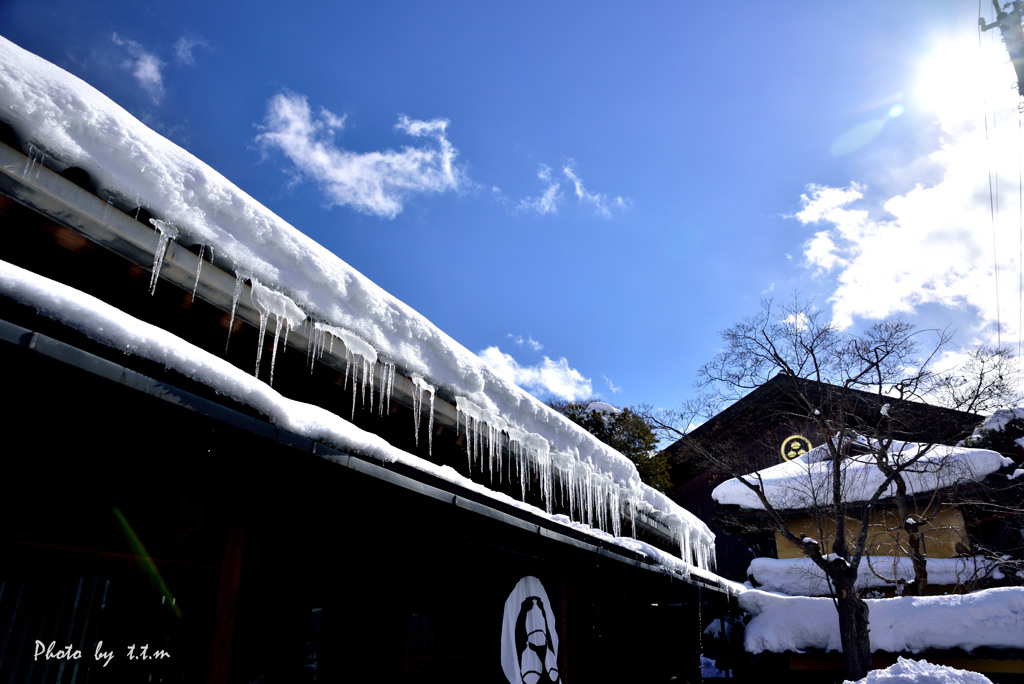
806	481
906	671
801	577
992	618
66	122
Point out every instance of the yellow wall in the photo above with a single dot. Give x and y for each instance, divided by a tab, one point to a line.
945	535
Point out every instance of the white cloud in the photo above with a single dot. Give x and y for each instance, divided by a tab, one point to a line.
527	341
601	204
145	67
549	377
548	201
378	183
612	387
937	244
184	47
797	322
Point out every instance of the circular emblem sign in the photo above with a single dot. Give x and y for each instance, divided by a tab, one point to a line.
794	446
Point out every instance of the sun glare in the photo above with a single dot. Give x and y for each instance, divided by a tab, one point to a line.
959	77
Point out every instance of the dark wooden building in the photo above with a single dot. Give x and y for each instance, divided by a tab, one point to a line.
157	527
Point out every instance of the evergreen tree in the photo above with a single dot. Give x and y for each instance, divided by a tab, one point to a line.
623	430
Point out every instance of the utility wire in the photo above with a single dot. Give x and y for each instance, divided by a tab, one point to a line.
993	200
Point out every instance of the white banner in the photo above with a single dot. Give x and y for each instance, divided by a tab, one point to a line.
529	635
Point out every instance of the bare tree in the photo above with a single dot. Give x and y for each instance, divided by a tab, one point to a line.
854	389
989	378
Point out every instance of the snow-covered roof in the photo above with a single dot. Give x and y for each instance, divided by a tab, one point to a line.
806	481
296	281
989	618
998	421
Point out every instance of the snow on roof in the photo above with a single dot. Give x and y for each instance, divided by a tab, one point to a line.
991	618
72	124
998	421
801	577
806	481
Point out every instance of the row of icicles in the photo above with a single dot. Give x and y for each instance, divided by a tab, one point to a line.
591	498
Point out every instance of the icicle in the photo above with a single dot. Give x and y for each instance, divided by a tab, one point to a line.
199	269
632	514
259	348
474	417
239	281
367	380
350	362
359	354
284	343
495	427
287	314
34	160
430	426
540	451
524	470
615	506
424	387
532	456
30	159
417	406
165	233
387	383
314	346
273	350
569	484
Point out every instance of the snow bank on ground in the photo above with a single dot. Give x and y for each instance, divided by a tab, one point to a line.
806	481
66	122
801	577
993	618
906	671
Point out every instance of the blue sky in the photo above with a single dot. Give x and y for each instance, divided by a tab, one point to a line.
587	192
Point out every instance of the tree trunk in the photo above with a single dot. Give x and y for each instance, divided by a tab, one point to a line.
853	627
917	587
914	540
